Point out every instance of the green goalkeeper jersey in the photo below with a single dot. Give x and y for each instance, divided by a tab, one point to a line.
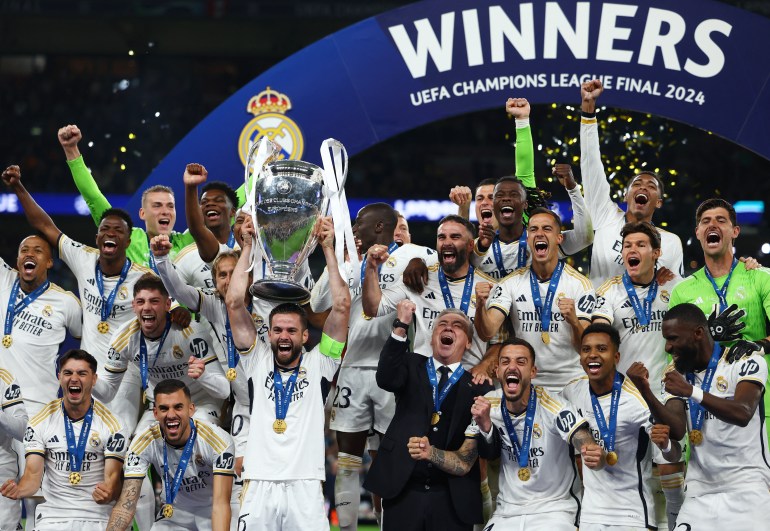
750	290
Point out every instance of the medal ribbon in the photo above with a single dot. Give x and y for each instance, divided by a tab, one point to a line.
721	293
172	488
232	356
109	301
440	394
521	451
608	432
643	314
392	247
545	309
283	394
143	352
698	412
14	308
151	257
76	452
231	240
521	259
467	290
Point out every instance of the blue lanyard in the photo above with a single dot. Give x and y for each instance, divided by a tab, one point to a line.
721	293
391	248
467	290
231	239
76	452
643	314
232	356
521	259
109	301
545	309
608	432
521	451
14	308
283	394
698	412
143	352
172	488
440	395
151	257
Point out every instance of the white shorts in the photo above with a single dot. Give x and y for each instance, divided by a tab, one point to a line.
532	522
744	507
10	514
239	428
10	468
55	524
286	505
359	403
184	520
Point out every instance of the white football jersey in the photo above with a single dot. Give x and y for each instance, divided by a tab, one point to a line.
46	436
192	269
298	452
607	217
82	260
730	456
551	462
213	454
37	332
367	335
620	493
170	362
430	303
558	362
637	343
13	420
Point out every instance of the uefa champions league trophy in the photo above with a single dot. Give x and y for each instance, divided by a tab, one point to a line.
285	199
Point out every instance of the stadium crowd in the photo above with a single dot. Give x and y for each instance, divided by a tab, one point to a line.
490	383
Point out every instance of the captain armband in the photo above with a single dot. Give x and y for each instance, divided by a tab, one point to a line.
331	348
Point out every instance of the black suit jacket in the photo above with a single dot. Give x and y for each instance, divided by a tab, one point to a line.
404	374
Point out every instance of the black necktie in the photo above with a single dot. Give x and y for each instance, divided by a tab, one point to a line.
444	370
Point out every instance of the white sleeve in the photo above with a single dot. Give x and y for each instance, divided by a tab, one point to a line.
74	316
180	290
391	296
595	185
320	297
213	379
108	382
582	233
585	302
604	303
13	415
500	298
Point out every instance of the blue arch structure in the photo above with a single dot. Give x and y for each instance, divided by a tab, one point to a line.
700	62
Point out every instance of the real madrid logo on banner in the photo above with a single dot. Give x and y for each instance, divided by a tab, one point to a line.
269	109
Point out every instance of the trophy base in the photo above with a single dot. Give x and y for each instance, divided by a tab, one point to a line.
280	291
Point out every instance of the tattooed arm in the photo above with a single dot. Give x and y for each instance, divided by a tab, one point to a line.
125	508
592	453
457	463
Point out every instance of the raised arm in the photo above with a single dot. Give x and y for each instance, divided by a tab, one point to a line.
208	245
69	136
488	319
371	293
458	462
462	197
672	413
185	294
241	323
582	233
36	216
336	326
125	508
519	109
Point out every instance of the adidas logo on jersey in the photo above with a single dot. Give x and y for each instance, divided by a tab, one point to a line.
627	304
522	298
488	261
53	439
431	295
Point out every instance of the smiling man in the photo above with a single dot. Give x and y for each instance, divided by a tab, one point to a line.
644	195
433	402
532	433
74	447
616	493
548	303
195	460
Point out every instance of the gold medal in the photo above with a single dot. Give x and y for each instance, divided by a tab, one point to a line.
435	418
696	437
279	426
103	327
7	340
168	511
545	337
525	474
75	478
612	458
231	374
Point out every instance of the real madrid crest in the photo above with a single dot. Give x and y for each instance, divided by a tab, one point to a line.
722	384
199	460
665	296
177	352
95	441
269	108
258	320
537	431
123	293
47	310
390	262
